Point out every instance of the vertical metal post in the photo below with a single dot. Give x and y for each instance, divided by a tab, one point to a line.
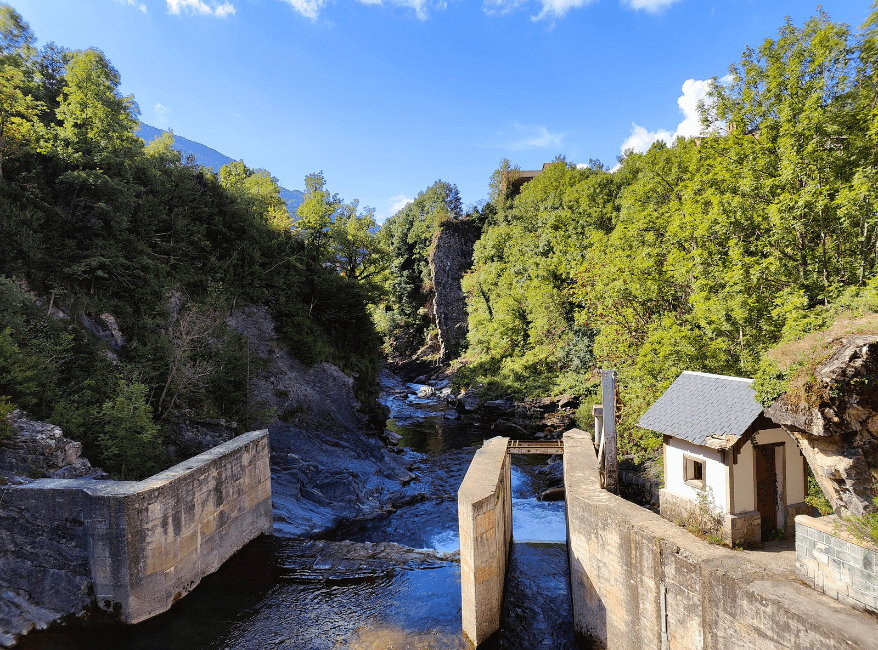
608	395
598	412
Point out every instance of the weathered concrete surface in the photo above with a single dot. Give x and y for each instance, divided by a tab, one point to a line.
450	257
484	511
640	582
836	424
138	547
836	564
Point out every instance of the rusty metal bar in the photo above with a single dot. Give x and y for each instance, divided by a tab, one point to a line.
535	447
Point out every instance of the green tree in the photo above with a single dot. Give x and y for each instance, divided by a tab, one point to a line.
130	440
97	124
359	253
18	111
316	213
258	192
16	36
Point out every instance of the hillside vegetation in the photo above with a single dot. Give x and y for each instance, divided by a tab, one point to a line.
96	222
698	255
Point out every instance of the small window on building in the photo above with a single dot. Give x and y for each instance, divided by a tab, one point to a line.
693	472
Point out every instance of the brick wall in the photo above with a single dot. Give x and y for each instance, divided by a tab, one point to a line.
836	564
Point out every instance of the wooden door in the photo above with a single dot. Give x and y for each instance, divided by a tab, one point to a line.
766	487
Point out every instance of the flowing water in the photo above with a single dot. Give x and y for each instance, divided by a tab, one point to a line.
365	586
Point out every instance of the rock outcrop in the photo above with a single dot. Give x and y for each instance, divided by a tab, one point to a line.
189	434
835	422
40	450
326	465
451	256
320	397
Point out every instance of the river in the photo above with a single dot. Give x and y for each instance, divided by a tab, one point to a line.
389	582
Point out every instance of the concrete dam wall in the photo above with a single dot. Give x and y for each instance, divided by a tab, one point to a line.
484	511
639	581
134	547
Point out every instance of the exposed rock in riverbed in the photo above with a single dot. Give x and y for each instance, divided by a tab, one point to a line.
327	466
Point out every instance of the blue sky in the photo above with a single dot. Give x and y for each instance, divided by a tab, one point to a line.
387	96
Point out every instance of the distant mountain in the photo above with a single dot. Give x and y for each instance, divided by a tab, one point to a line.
213	159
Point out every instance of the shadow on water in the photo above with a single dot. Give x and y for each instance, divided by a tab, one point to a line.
537	611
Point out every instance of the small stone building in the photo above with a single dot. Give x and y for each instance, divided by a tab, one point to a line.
717	441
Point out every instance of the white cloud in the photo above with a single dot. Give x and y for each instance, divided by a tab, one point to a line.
308	8
694	91
500	7
532	137
132	3
199	7
558	8
225	9
419	6
397	203
653	6
161	115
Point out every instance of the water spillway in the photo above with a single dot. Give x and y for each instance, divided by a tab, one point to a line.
385	582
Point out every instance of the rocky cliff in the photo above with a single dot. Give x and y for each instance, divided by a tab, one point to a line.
834	418
451	256
327	465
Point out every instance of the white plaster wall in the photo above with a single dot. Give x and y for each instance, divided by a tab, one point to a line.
745	495
714	471
795	466
794	489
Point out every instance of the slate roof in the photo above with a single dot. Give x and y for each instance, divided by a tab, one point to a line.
710	410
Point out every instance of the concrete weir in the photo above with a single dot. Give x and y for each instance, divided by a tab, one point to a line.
135	547
484	511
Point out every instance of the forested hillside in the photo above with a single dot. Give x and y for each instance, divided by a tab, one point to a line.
207	157
699	255
96	223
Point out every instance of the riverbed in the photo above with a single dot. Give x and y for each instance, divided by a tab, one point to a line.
387	582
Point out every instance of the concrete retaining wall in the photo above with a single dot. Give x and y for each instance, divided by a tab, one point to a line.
138	547
484	512
836	564
640	582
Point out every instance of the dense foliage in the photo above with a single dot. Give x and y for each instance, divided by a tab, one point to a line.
94	221
699	255
408	236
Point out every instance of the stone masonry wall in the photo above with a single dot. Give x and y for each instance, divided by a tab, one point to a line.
138	547
836	564
484	510
639	582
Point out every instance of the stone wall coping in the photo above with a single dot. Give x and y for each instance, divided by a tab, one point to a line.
832	525
124	488
480	481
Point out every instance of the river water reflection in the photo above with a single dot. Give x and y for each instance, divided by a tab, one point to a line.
324	594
